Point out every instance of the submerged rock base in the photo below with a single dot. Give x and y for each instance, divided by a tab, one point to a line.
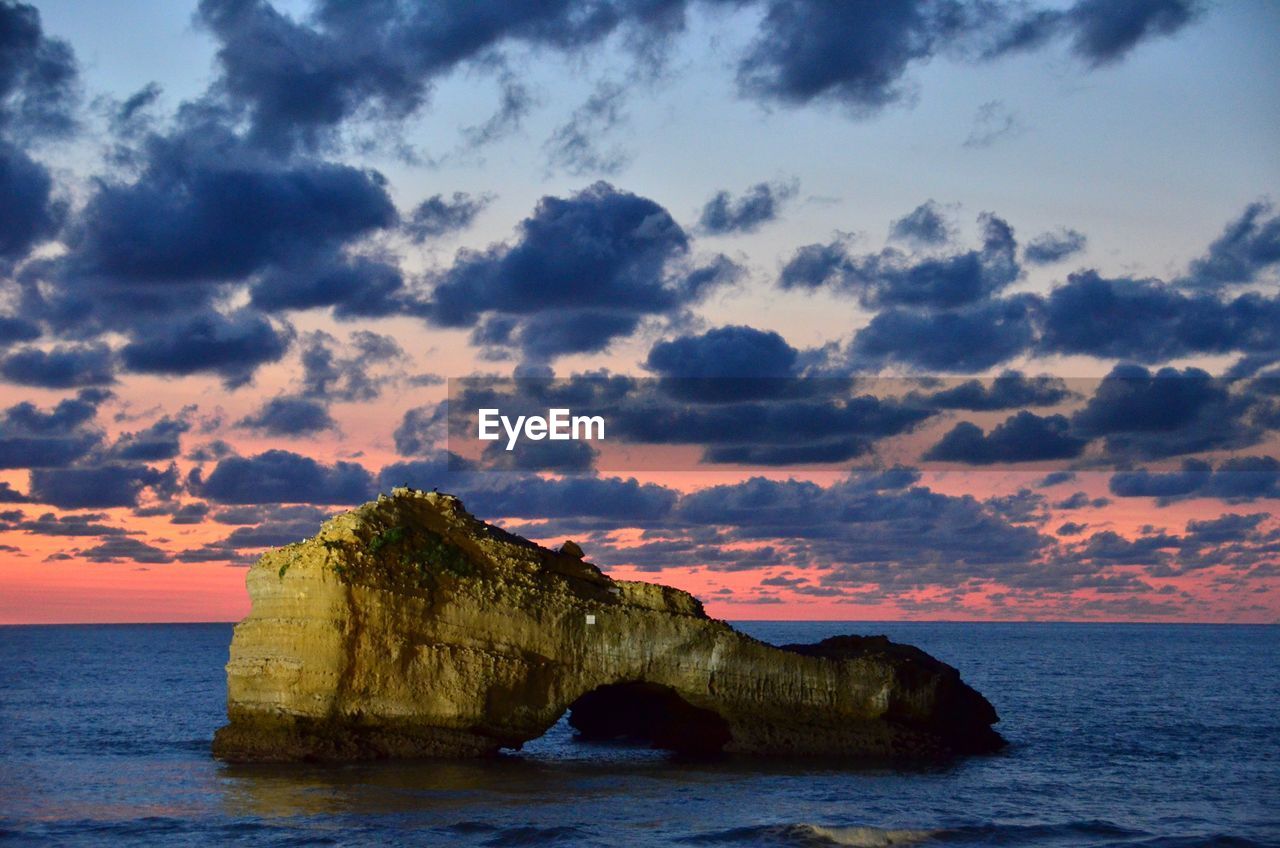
407	628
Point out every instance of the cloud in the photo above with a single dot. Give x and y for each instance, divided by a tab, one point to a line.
333	375
1101	31
161	441
83	524
1234	480
436	216
1056	478
893	278
421	429
356	287
126	549
232	346
1150	321
32	213
575	146
31	438
299	81
732	351
852	54
1010	390
205	208
924	225
1104	31
1170	412
1228	527
972	338
993	121
722	215
17	329
1024	437
278	476
1247	247
98	487
60	367
38	77
1048	248
1081	500
286	415
583	271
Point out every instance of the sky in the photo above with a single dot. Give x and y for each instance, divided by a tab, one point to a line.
980	298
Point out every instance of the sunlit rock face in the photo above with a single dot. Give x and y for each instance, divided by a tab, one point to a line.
408	628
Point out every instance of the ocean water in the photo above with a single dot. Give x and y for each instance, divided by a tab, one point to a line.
1120	735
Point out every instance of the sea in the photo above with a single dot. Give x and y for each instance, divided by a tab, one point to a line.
1163	736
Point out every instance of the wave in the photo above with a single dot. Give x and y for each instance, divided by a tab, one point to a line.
816	835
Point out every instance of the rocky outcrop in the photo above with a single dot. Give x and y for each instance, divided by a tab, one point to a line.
408	628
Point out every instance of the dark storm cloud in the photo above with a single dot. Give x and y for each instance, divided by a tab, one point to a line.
287	415
925	225
83	524
356	287
38	77
1150	321
271	534
1025	437
10	495
161	441
1228	527
60	367
1234	480
1055	478
437	216
1047	248
893	278
31	438
278	476
855	54
125	549
1101	31
270	513
206	209
1150	415
866	534
612	500
32	213
1081	500
756	206
780	431
583	271
421	429
970	339
1247	247
571	457
298	80
231	346
1010	390
732	351
334	373
16	329
99	487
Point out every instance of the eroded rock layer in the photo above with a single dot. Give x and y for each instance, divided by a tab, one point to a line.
408	628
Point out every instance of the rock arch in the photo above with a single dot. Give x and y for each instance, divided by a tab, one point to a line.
408	628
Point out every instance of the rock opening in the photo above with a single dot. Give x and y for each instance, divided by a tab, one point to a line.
648	713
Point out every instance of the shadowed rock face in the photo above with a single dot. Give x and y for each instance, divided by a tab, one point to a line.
407	628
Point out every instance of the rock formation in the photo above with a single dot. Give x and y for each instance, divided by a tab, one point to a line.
408	628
